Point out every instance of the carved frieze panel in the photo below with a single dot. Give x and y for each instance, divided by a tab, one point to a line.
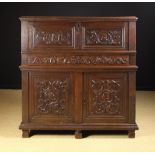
73	60
105	97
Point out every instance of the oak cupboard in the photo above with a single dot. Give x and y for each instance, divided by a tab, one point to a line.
78	73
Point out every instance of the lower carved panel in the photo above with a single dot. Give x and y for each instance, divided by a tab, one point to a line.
51	96
105	96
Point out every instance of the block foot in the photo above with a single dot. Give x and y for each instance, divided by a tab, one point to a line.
78	134
26	133
131	133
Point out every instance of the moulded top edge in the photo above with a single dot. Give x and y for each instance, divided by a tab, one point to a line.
81	18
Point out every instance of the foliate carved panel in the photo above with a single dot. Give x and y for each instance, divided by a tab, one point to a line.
105	98
103	37
52	37
92	60
52	96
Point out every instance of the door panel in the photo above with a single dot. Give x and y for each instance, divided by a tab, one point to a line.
51	98
105	97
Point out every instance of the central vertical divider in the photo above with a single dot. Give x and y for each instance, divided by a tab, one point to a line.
78	96
78	76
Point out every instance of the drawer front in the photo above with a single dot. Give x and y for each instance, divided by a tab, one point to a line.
51	97
105	98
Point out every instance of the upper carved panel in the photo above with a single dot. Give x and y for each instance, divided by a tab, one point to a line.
103	37
52	38
76	34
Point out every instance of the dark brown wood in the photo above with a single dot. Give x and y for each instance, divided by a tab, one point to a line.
78	97
26	133
131	133
78	134
78	73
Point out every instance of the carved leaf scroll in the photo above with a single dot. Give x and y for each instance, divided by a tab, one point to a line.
51	96
57	37
105	96
103	37
94	60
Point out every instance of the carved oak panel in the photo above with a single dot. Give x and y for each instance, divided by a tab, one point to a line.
104	36
105	97
51	93
50	36
51	96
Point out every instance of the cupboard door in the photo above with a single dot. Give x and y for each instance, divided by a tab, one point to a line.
105	97
51	98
